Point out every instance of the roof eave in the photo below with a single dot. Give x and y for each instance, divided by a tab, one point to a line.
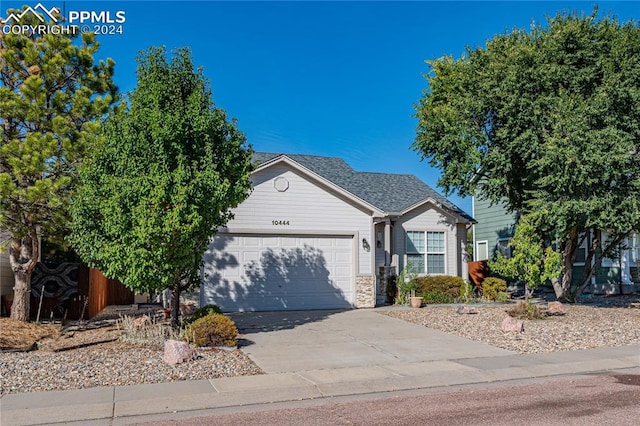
459	218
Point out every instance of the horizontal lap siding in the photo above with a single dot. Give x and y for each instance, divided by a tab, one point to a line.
6	274
380	254
306	206
428	218
494	222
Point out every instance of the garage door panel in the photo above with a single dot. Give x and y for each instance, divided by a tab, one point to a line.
276	273
345	244
249	241
325	242
342	272
288	242
249	256
269	242
343	257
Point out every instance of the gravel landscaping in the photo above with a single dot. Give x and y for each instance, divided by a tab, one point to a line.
64	362
112	364
72	359
605	323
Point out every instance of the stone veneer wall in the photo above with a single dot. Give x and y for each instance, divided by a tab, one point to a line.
366	292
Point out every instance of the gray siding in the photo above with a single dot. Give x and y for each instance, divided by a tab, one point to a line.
380	254
430	218
307	208
6	274
494	222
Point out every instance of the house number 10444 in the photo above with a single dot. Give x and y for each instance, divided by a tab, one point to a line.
279	222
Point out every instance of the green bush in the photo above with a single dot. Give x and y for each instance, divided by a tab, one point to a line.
491	286
437	296
466	292
406	284
212	330
446	284
503	296
524	310
202	312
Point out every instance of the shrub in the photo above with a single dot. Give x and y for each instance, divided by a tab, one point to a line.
466	292
406	284
446	284
202	312
212	330
528	311
491	286
503	296
436	296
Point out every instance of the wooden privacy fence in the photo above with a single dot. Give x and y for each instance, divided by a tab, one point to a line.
72	291
105	291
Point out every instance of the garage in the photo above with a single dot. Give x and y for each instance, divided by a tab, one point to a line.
264	272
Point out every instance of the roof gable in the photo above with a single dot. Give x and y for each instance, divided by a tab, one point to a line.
391	193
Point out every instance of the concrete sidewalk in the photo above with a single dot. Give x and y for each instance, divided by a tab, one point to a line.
311	356
142	403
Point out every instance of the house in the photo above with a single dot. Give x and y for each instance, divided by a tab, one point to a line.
495	226
316	234
6	274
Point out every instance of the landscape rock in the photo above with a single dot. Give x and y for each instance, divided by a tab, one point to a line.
555	308
464	309
141	321
512	325
176	352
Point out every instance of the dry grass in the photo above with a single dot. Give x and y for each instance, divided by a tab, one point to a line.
17	334
146	330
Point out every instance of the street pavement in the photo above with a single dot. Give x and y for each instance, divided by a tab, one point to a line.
607	398
312	356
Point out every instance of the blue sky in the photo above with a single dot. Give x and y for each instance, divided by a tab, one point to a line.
324	78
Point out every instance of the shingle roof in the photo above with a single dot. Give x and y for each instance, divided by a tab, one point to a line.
391	193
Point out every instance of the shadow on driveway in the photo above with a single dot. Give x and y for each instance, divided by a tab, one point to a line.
258	322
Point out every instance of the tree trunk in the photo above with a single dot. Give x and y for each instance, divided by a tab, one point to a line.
175	306
21	296
23	257
589	270
567	277
557	288
562	288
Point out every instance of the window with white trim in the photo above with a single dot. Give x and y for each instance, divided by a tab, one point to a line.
634	249
581	251
607	262
482	251
425	252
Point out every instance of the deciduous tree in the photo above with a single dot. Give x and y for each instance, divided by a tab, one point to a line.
52	97
156	192
532	261
546	121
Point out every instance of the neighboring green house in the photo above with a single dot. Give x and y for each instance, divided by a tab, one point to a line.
493	229
6	274
495	225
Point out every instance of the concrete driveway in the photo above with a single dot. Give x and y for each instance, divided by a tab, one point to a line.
290	341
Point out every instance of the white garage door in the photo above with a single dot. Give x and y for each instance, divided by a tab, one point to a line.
268	272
